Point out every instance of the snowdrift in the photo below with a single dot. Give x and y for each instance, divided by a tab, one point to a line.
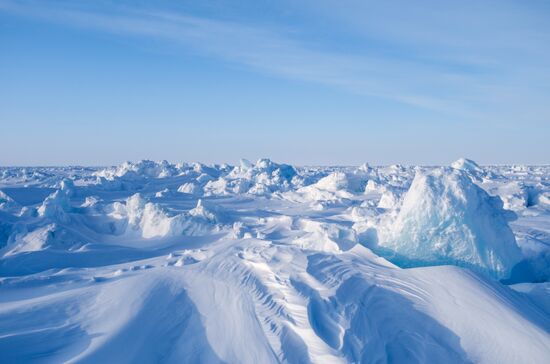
164	260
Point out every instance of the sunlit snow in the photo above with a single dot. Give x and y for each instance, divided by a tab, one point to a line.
265	262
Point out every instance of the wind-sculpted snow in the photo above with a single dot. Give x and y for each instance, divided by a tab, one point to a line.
265	262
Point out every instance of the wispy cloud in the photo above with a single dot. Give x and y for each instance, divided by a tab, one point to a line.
278	51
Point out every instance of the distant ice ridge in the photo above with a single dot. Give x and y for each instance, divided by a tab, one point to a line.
262	178
446	218
137	170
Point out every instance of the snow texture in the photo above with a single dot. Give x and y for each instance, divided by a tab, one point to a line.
266	263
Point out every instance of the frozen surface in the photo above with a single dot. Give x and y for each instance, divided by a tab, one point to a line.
446	218
265	262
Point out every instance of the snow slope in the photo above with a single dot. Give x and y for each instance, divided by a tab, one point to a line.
266	263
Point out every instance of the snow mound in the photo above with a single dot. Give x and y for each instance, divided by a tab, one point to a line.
354	182
35	240
324	236
51	236
331	188
517	196
223	187
147	220
333	182
447	219
468	166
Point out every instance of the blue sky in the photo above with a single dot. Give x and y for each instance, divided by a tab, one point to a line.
304	82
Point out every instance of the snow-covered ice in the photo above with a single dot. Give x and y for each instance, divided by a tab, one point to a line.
266	262
446	218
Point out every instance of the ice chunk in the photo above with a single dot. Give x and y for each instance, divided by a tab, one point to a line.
447	219
56	205
333	182
516	195
246	165
142	218
190	188
467	165
388	200
201	212
372	186
470	167
148	220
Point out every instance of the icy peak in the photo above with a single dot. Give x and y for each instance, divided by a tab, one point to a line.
447	219
468	165
201	212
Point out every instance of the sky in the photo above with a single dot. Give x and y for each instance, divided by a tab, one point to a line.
311	82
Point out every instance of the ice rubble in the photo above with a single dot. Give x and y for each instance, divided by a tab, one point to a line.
333	182
139	170
56	205
447	219
516	195
38	239
262	178
177	255
333	187
138	217
133	176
